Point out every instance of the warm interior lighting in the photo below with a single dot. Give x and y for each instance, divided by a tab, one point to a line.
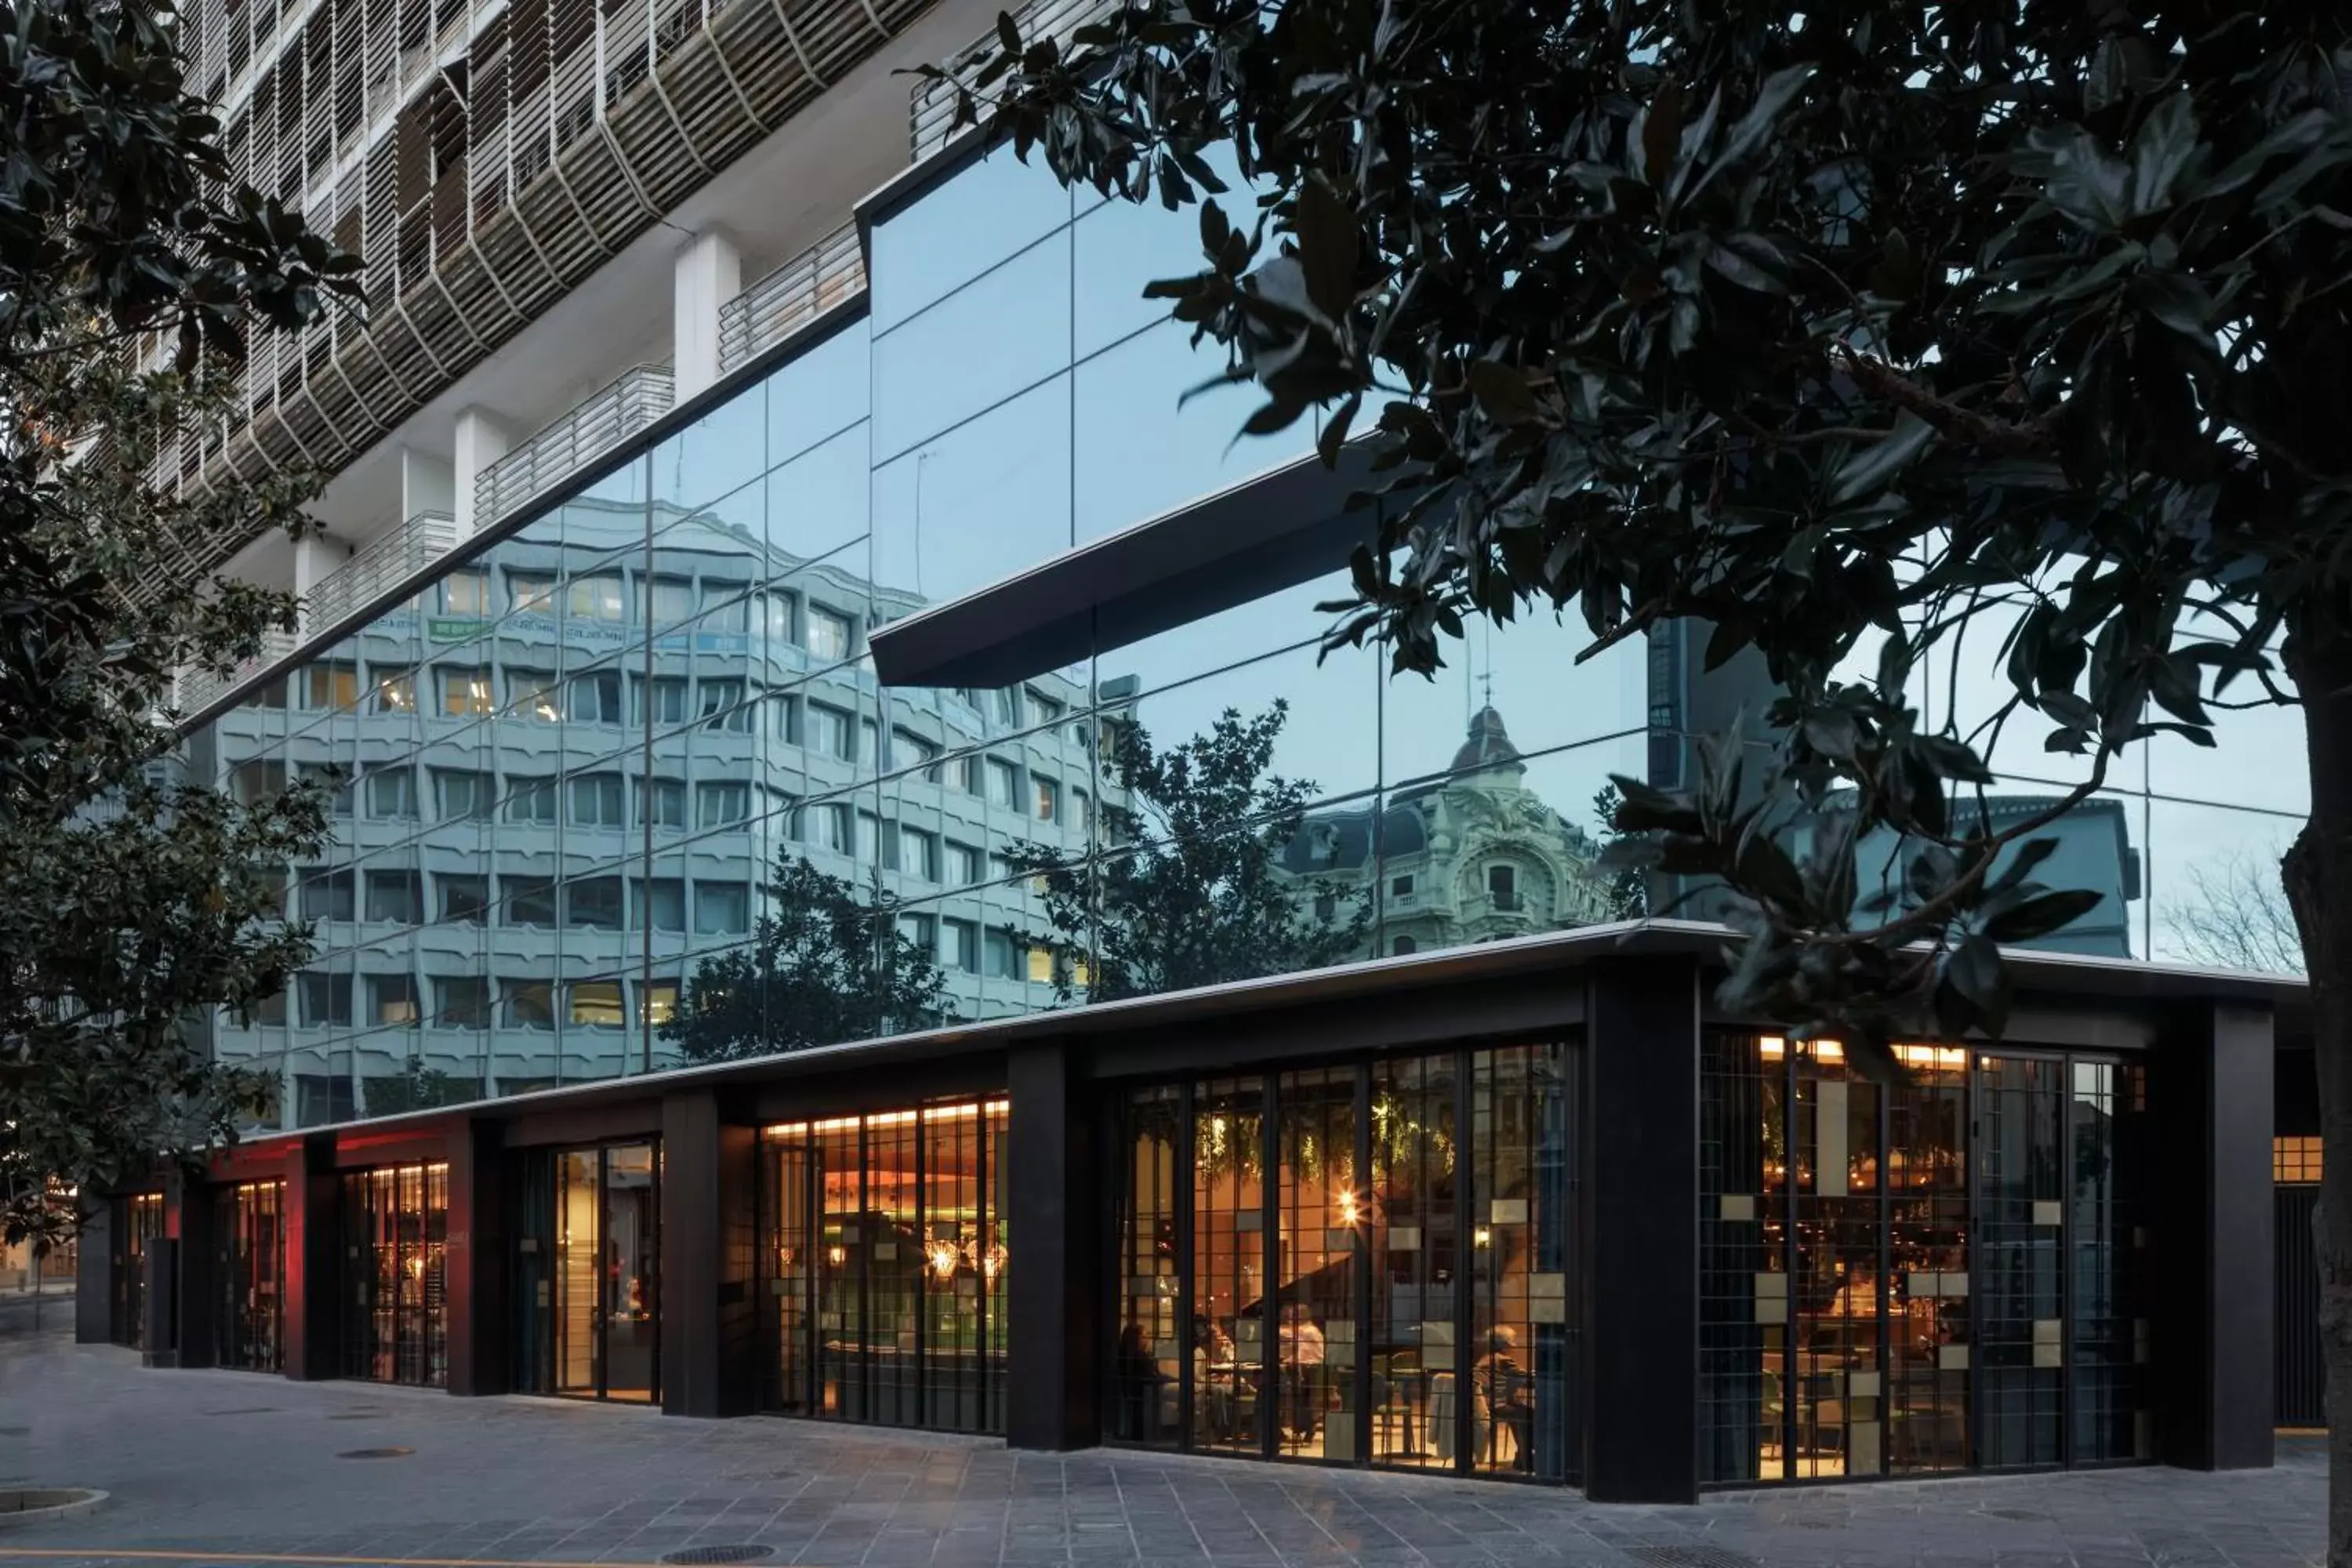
2296	1159
944	1257
1953	1058
1346	1203
1482	1237
1773	1048
965	1111
836	1256
1828	1051
992	1261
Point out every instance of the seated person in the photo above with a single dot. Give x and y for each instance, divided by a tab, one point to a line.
1138	1379
1505	1391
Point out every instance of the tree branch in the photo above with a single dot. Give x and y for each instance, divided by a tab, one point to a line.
1875	375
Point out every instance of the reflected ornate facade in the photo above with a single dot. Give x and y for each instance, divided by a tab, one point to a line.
1473	856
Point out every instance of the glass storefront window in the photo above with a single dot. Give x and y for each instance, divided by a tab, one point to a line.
249	1237
1320	1224
396	1221
1147	1370
2106	1186
1225	1269
1366	1304
1905	1279
140	1219
1416	1246
885	1262
1522	1351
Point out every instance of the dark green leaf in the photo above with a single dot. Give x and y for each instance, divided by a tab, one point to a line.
1661	130
1502	392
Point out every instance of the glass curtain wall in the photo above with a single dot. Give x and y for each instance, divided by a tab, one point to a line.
138	1220
249	1236
1360	1264
1920	1276
395	1224
885	1266
621	790
588	1272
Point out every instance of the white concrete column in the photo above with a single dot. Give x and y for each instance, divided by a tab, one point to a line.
481	439
427	483
315	555
710	273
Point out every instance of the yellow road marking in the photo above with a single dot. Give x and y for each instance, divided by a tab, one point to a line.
115	1555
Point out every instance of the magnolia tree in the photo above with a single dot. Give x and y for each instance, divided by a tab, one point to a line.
1852	330
130	905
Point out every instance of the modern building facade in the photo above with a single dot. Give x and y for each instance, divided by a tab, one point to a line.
856	892
1532	1210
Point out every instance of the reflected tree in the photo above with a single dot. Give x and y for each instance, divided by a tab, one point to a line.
831	965
2236	917
416	1087
1194	890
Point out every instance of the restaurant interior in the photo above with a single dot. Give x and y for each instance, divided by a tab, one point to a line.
1936	1269
1356	1264
886	1267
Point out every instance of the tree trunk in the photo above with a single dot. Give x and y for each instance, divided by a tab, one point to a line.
2318	871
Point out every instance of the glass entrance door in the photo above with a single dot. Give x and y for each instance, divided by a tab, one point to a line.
591	1309
629	1321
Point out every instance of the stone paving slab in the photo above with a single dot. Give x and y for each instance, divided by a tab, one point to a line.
232	1469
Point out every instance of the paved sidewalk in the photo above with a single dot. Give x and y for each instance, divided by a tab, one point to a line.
231	1468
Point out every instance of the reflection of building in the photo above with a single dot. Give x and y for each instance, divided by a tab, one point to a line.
505	744
2092	850
1471	856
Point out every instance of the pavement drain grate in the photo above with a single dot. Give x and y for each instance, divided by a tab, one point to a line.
375	1453
1691	1556
719	1554
356	1415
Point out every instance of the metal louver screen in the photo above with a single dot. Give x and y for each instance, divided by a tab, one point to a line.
484	156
